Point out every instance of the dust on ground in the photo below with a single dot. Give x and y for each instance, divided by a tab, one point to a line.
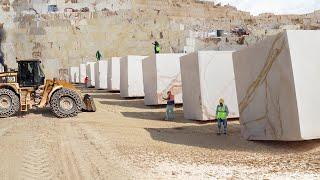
126	140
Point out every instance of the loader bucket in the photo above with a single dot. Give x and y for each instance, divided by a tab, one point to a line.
89	105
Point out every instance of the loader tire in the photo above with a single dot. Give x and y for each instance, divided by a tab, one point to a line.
65	103
9	103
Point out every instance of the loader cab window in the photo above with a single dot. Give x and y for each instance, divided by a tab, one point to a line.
30	74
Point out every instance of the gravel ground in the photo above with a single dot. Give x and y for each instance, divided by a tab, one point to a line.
126	140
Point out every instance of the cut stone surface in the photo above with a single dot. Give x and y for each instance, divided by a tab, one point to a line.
278	89
131	79
208	76
101	74
161	73
83	72
114	74
74	74
90	74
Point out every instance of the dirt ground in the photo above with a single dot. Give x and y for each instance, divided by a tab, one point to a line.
126	140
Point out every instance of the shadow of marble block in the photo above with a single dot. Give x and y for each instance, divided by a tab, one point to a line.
90	74
114	74
208	76
83	72
100	74
131	78
278	87
161	73
74	74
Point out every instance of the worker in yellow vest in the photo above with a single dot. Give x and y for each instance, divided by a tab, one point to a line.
156	47
222	113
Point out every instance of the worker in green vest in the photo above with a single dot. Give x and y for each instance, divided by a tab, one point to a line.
222	113
98	55
156	47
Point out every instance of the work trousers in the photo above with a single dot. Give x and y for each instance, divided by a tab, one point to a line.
224	123
170	112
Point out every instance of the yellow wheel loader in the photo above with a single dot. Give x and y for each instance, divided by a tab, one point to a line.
27	88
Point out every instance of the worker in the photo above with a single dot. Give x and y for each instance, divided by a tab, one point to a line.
86	81
98	55
222	113
156	47
170	106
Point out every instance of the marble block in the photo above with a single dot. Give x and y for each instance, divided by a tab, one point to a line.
74	73
83	72
101	73
277	86
131	79
90	74
114	74
208	76
161	73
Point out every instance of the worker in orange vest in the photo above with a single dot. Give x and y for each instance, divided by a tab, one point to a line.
170	106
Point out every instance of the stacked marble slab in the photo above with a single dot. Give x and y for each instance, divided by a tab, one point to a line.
114	74
278	87
74	74
131	79
82	72
161	73
90	74
208	76
101	74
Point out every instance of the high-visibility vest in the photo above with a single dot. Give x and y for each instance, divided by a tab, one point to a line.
158	48
222	113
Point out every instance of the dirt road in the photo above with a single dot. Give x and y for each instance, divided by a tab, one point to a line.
126	140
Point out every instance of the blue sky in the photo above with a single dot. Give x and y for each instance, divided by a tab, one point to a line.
275	6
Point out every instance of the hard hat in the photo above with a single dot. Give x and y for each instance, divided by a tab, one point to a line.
221	100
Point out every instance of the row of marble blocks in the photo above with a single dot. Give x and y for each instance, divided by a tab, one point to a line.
208	76
161	73
277	87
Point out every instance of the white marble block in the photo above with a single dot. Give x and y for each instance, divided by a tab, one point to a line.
83	72
114	74
131	78
101	74
278	87
74	73
208	76
90	74
161	73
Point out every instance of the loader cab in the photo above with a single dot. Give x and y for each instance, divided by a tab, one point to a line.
30	73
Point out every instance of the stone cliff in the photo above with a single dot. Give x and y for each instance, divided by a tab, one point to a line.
78	28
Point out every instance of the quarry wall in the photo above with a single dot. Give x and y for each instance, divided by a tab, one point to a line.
78	28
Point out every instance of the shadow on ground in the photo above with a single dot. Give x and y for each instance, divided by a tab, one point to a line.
156	116
205	136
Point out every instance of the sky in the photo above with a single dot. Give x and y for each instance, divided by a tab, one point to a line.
256	7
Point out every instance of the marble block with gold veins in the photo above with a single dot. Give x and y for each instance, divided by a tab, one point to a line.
208	76
161	73
278	87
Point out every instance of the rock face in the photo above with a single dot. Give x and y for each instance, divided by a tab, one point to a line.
83	72
101	74
277	87
208	76
161	73
74	74
131	79
90	74
114	74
